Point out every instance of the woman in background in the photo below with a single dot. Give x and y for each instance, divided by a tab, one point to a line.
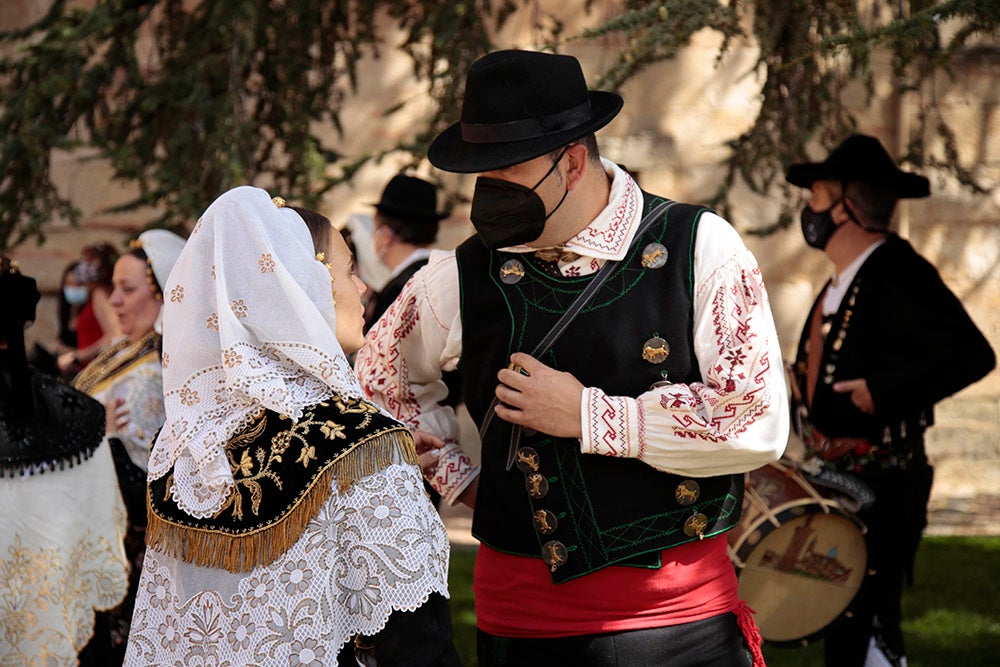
96	325
127	378
288	523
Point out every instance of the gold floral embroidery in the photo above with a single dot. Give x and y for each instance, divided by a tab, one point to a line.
239	308
46	591
212	322
266	263
166	359
352	407
332	446
177	294
307	455
252	468
189	396
232	358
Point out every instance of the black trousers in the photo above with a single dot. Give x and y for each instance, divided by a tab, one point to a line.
713	642
419	638
895	524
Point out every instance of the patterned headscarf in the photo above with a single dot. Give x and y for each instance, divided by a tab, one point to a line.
249	324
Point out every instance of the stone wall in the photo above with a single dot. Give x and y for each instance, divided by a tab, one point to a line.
672	132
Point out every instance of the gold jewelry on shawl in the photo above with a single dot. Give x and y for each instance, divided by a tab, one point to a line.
321	257
136	244
112	361
278	201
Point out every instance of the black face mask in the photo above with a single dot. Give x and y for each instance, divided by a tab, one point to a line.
818	227
507	214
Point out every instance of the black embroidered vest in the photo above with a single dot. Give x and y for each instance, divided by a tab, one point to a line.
583	512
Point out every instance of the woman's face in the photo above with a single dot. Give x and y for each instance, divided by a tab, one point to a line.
134	301
348	289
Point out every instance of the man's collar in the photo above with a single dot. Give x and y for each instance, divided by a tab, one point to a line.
415	256
609	234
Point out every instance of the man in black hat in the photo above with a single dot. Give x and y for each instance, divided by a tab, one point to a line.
613	454
884	342
406	225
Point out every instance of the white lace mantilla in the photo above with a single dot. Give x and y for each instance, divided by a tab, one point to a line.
378	548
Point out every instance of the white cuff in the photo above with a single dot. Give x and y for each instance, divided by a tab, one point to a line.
611	425
453	473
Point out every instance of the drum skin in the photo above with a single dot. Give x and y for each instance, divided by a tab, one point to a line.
800	556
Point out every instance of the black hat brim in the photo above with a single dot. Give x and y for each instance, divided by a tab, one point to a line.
902	184
409	215
450	152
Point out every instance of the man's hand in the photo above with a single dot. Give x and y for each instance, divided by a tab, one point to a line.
539	397
860	396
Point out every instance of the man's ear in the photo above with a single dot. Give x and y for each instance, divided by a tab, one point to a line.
851	210
576	164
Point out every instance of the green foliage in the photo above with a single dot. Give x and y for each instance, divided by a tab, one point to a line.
187	98
809	51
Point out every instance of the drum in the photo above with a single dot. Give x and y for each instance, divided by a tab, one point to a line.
800	555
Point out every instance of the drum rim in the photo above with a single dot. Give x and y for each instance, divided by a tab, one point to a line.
819	634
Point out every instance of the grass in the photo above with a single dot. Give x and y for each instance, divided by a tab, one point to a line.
951	616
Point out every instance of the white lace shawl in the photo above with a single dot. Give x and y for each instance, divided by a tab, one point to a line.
248	322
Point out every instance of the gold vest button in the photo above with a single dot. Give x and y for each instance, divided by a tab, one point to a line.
554	554
654	256
537	485
545	522
687	492
655	350
527	459
696	525
512	271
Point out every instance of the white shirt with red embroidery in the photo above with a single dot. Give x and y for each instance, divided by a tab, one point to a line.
734	420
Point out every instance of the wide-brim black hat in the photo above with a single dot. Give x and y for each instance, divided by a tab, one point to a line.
519	105
410	199
861	158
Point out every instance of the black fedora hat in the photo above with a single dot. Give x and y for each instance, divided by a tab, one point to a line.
519	105
861	158
411	199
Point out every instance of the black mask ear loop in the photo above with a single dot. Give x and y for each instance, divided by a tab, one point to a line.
542	179
850	213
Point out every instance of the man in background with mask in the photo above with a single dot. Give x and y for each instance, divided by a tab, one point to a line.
613	455
885	340
406	225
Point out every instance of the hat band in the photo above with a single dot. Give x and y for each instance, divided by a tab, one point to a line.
527	128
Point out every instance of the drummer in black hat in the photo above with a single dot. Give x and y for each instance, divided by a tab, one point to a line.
613	452
885	340
406	226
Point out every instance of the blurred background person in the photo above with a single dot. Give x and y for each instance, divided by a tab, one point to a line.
405	227
96	324
72	297
127	377
358	232
61	532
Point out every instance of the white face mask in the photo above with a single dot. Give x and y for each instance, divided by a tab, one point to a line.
75	295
